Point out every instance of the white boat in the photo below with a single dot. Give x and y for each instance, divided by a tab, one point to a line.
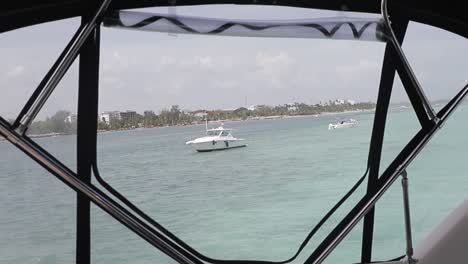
219	138
343	124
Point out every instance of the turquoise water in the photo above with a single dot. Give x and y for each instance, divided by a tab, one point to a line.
257	202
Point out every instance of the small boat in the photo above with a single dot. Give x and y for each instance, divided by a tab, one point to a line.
219	138
343	124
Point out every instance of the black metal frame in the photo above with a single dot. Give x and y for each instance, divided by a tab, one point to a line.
59	69
86	42
88	88
378	132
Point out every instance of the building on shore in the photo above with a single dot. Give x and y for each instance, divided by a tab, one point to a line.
343	101
149	113
108	117
339	102
71	118
292	107
199	113
252	108
128	115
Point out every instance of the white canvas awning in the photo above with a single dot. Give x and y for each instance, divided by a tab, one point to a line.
349	28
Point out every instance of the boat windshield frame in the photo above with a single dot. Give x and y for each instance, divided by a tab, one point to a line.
218	132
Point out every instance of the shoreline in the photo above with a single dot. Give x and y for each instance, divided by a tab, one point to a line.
275	117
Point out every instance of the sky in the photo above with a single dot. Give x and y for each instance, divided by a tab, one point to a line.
152	71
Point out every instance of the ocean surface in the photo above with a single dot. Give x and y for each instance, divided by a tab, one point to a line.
257	202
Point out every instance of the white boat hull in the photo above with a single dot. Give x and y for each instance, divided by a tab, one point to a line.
344	124
216	139
337	126
218	145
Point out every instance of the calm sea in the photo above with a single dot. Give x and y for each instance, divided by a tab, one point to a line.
257	202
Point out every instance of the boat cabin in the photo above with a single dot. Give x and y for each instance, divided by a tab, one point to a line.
219	131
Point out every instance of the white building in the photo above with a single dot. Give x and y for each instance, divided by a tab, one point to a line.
339	102
292	108
107	117
71	118
199	113
104	117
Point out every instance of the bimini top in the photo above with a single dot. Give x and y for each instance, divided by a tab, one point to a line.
451	17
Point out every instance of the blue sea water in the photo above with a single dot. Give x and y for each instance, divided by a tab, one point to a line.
257	202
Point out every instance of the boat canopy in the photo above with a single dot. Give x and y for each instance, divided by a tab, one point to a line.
451	17
350	28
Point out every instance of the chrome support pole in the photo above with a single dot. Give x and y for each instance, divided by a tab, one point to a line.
68	56
409	240
414	81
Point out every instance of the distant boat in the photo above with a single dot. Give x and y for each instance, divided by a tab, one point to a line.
219	138
343	124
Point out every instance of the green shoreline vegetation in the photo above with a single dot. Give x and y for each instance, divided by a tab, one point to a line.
63	122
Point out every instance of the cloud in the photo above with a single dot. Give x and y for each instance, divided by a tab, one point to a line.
204	61
167	60
363	66
142	71
278	69
15	71
269	62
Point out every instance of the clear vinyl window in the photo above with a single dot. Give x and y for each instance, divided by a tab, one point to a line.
301	112
255	196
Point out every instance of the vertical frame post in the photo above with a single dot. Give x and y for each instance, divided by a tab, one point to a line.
60	67
378	132
88	86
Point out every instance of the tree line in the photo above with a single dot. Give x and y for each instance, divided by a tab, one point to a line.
60	123
54	124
